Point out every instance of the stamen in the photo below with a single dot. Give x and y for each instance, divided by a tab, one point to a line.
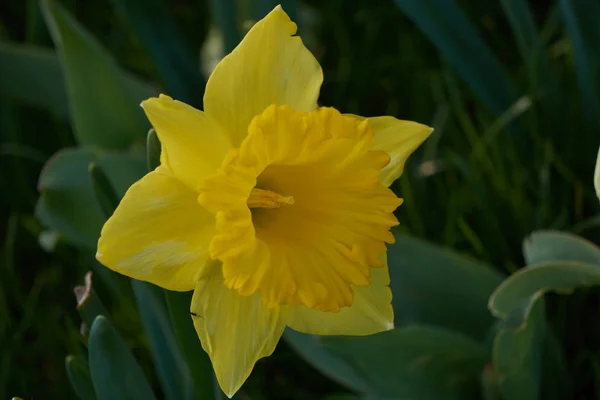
260	198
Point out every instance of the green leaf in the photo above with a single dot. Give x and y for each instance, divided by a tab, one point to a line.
170	365
415	362
435	286
548	246
104	192
490	386
201	369
517	354
224	13
582	19
115	372
104	107
68	202
32	76
313	351
80	378
152	150
529	43
527	359
457	39
153	24
516	295
523	26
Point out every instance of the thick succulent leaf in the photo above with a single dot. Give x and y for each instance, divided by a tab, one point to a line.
413	362
435	286
115	372
172	370
527	360
78	372
549	246
515	297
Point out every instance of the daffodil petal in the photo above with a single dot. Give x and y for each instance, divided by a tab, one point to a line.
158	233
399	139
234	330
269	66
193	146
371	311
597	176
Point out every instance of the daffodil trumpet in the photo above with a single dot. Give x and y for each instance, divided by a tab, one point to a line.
274	211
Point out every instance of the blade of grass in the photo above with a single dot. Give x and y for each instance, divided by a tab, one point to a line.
582	20
151	21
224	13
457	39
541	78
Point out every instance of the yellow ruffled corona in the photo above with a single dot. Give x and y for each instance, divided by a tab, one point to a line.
274	211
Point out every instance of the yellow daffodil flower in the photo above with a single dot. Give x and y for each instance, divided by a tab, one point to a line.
274	211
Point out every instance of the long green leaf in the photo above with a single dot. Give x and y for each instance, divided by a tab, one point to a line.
201	370
582	20
104	109
103	190
435	286
541	77
224	13
156	29
457	39
115	372
32	76
170	365
80	378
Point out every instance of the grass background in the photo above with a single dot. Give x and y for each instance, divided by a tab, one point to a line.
513	151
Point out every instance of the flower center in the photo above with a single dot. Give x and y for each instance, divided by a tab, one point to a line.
260	198
301	214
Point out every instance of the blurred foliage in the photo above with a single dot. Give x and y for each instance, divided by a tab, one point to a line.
511	88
